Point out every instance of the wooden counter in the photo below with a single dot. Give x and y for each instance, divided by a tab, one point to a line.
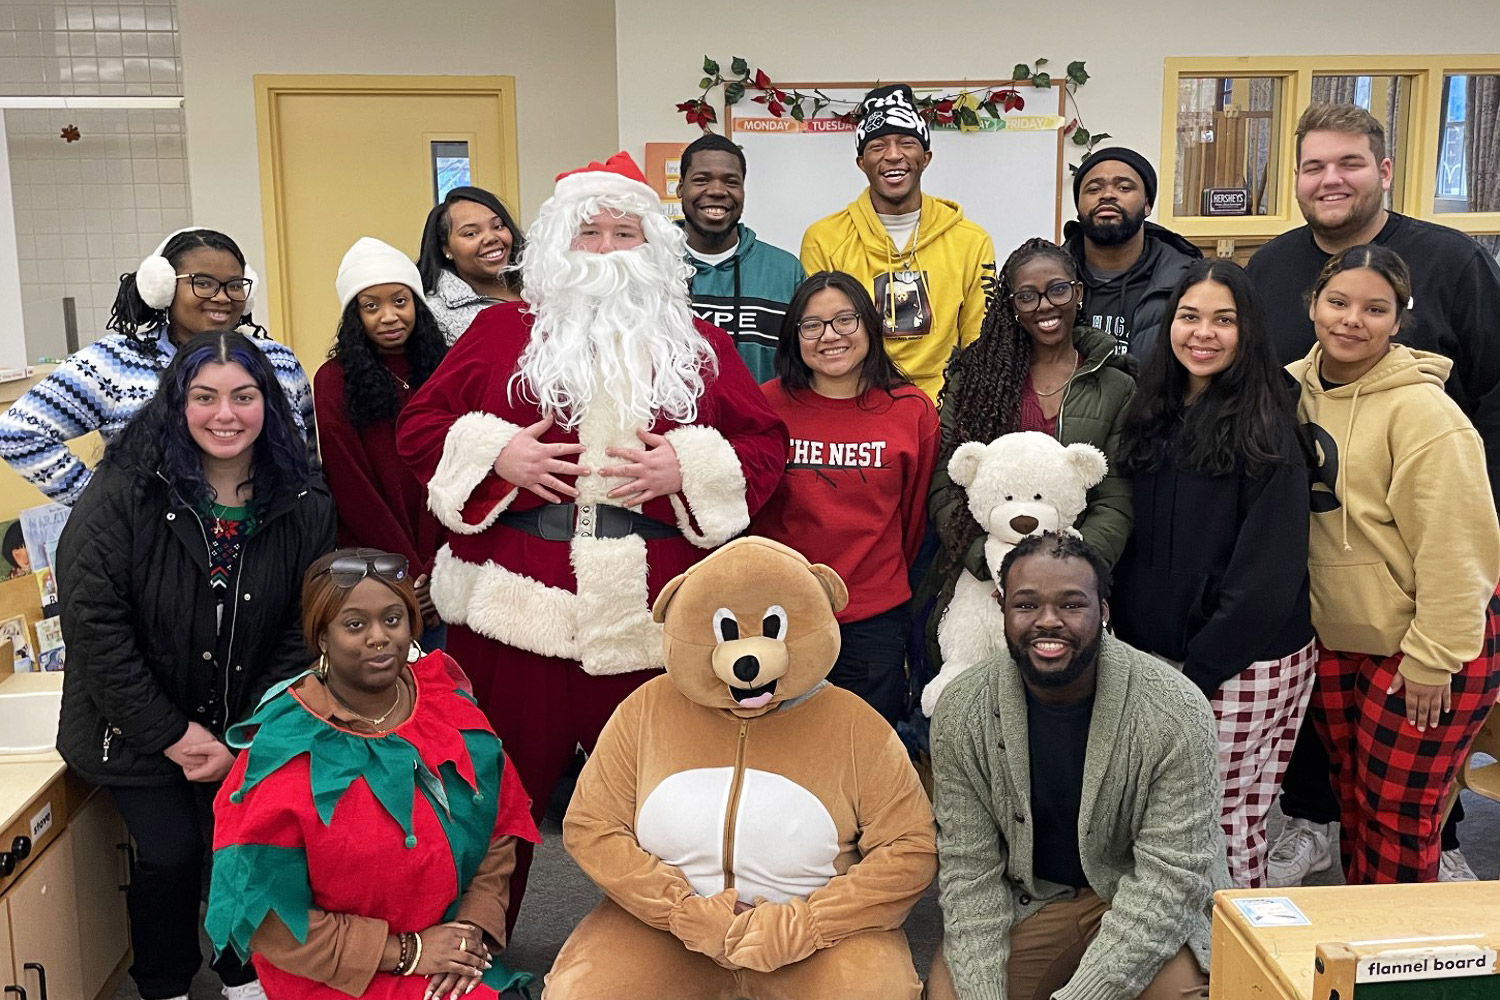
1278	962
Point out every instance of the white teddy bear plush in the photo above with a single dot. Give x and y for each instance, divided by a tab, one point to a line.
1019	484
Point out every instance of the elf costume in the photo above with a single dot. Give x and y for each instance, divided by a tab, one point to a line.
387	831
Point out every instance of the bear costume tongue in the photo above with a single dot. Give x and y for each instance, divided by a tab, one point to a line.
754	697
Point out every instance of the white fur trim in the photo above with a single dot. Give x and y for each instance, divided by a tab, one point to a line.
606	626
615	632
713	484
602	183
469	451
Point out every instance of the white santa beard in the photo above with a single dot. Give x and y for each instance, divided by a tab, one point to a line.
617	323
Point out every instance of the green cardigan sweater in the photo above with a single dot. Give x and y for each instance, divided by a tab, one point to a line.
1148	824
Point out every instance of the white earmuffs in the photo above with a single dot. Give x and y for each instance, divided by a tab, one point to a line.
156	279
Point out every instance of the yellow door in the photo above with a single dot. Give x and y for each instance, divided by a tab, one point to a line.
348	156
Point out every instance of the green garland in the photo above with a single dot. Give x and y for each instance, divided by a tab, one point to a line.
962	110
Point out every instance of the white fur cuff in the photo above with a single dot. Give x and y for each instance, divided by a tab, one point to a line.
713	484
469	451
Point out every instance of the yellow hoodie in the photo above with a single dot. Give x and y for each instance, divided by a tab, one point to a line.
955	255
1404	548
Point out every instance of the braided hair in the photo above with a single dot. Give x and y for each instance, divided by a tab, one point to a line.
129	314
982	384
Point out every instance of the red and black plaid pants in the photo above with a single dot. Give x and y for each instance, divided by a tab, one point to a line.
1391	779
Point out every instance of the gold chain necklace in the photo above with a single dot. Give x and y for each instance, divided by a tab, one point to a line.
374	723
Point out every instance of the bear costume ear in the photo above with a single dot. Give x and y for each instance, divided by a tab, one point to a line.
659	609
833	586
1088	462
964	465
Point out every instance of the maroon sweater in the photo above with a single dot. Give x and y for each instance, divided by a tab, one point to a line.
381	503
855	492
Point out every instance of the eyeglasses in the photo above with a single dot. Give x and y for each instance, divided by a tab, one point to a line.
206	286
843	324
347	571
1059	293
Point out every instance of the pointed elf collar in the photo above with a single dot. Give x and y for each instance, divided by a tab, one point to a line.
390	763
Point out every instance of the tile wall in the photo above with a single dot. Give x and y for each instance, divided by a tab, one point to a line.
88	211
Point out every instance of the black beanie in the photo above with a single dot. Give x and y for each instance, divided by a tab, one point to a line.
1129	157
890	111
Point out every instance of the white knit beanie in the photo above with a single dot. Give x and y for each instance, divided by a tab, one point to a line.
372	262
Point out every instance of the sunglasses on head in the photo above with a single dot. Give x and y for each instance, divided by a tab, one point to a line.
346	571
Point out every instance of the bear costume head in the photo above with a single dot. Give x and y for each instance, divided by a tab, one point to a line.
751	626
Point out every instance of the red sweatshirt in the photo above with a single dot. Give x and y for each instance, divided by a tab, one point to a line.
380	502
855	492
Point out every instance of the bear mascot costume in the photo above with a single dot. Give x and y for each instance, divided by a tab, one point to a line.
757	832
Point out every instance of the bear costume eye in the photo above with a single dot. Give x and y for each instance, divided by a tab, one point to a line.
773	625
726	625
1037	497
1008	498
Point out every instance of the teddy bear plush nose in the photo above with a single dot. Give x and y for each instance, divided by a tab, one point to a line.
1023	524
747	668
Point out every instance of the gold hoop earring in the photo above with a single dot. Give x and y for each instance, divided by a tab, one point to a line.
321	670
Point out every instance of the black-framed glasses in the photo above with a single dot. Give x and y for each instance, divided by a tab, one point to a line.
843	324
347	571
1059	293
206	286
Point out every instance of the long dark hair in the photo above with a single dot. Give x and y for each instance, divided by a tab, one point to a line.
430	257
877	371
1245	414
982	384
369	391
157	439
131	316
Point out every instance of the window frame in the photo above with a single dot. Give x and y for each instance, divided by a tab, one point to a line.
1427	121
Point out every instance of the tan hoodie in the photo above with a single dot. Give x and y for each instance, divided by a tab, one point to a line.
1404	547
956	256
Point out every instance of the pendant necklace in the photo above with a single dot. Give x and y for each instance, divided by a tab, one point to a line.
373	723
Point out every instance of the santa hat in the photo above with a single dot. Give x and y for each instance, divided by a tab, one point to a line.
372	262
618	175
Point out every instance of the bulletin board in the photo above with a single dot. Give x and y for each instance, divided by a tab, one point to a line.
1009	180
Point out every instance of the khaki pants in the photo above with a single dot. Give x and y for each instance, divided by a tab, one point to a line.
1046	947
611	955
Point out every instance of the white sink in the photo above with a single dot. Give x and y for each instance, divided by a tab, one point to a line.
28	721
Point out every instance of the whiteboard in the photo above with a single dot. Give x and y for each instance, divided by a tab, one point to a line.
1009	181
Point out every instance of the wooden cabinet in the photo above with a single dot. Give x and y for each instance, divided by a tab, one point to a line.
44	926
101	872
63	919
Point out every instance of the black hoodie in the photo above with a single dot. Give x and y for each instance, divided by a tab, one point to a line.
1132	305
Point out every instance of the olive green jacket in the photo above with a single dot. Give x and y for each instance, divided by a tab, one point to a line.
1093	412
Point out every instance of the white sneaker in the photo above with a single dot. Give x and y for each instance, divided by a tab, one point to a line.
1300	851
1453	868
249	991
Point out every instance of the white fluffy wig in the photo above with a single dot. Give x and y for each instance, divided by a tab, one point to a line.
617	323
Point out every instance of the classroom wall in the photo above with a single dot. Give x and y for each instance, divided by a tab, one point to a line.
561	52
1123	45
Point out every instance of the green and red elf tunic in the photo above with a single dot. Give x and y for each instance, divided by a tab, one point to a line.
315	819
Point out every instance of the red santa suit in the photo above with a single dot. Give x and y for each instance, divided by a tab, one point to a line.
555	634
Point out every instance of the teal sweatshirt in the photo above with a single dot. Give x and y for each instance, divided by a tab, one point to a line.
746	297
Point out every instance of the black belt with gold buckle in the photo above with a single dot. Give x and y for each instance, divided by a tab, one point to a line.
563	522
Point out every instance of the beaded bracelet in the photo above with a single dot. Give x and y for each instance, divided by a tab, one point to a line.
416	956
407	961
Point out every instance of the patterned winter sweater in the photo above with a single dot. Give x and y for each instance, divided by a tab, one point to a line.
99	388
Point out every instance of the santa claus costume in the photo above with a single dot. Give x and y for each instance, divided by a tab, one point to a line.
549	604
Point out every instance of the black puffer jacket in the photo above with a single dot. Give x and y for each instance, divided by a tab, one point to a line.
145	654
